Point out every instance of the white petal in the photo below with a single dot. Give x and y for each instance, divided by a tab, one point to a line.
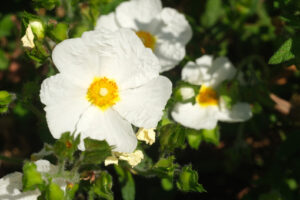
221	69
65	102
143	106
132	13
194	116
76	60
187	93
107	125
239	112
169	53
191	73
206	60
175	27
44	166
123	55
107	22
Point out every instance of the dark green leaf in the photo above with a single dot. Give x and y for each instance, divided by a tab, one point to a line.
103	185
188	180
96	151
6	25
127	183
171	136
4	62
283	53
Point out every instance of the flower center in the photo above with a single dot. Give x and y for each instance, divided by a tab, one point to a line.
148	39
207	96
103	92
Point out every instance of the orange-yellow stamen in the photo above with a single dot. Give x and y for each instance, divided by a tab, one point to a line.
148	39
207	96
103	92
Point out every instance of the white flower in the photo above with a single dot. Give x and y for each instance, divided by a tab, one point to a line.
28	38
209	107
11	184
107	81
164	30
146	135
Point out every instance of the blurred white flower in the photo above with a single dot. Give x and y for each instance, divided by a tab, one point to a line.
146	135
209	107
164	30
107	81
11	184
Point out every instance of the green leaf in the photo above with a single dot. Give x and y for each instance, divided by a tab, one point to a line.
109	7
53	192
211	136
4	62
31	177
48	4
103	185
213	11
6	25
96	151
167	184
194	138
165	167
127	183
59	32
229	92
65	147
188	180
283	53
5	99
171	136
71	190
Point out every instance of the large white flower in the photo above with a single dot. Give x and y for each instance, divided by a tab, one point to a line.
107	81
164	30
11	184
209	107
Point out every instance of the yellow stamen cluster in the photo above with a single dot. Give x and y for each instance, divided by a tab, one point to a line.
103	93
207	96
148	39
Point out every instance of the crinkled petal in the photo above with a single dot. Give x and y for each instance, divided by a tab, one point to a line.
221	70
146	135
174	27
65	102
76	60
238	113
195	116
107	125
123	55
107	22
143	106
168	53
132	13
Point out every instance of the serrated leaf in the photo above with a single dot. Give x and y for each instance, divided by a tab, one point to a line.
54	192
96	151
171	136
127	183
165	167
31	177
188	180
283	53
103	185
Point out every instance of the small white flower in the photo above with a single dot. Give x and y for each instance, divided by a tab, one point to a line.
209	107
164	30
28	38
107	81
11	184
133	159
146	135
